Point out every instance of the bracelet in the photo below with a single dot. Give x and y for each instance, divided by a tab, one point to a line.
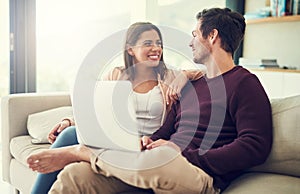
69	120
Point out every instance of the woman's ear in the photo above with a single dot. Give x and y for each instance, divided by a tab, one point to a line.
129	50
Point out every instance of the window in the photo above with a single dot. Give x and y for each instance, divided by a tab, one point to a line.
67	30
172	14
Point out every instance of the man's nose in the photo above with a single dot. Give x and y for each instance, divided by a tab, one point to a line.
191	43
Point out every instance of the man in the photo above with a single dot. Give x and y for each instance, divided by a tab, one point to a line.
221	126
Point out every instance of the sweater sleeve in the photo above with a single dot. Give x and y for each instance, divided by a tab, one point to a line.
250	110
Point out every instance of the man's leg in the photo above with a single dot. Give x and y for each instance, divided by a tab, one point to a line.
163	169
44	182
78	178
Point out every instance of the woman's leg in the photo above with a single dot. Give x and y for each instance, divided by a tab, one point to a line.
66	138
44	182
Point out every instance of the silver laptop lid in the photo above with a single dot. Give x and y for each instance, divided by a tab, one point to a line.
116	126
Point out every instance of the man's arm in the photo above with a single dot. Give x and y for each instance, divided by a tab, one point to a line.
251	112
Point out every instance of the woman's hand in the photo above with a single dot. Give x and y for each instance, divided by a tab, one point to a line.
174	90
57	129
145	140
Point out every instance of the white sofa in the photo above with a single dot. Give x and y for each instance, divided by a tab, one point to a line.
279	174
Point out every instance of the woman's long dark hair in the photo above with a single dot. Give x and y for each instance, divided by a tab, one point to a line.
133	34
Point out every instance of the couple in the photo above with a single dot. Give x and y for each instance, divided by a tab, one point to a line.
203	143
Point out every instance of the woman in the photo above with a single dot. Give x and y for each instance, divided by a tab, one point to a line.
155	88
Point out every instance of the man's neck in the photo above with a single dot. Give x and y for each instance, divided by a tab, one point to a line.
219	64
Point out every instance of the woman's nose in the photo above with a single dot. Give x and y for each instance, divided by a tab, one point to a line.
156	47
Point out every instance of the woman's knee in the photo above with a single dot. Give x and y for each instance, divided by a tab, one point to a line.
66	137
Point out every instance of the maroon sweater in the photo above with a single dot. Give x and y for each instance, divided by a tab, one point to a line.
223	125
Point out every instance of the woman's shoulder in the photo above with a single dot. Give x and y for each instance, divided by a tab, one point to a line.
119	69
116	73
171	72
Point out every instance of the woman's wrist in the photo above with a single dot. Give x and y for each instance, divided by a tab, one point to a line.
69	121
187	74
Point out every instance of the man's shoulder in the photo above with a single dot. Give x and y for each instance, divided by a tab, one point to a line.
239	73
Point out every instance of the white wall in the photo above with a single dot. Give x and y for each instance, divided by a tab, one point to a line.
4	47
272	40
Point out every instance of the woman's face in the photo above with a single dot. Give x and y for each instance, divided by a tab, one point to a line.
147	50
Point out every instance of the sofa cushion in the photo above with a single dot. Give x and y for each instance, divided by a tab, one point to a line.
250	183
21	147
285	154
39	124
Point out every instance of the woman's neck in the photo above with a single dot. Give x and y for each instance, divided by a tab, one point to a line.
144	74
144	80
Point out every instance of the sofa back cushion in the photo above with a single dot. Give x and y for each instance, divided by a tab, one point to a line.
285	154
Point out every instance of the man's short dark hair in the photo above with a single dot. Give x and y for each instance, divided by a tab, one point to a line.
230	25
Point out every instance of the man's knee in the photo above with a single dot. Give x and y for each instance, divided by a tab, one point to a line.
80	178
75	178
76	172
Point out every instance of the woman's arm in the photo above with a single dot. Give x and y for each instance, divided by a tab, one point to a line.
178	80
193	74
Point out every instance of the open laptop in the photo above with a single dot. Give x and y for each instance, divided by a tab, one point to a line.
116	126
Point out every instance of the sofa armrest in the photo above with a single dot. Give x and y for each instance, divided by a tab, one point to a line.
15	109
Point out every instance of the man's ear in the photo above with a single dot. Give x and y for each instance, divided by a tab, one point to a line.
213	35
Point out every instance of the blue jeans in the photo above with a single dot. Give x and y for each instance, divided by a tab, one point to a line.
44	182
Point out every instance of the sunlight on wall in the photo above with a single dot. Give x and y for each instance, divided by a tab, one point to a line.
67	30
4	47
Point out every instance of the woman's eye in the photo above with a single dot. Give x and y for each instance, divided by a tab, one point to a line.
147	44
159	43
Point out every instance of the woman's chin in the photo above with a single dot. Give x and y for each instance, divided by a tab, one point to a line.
153	63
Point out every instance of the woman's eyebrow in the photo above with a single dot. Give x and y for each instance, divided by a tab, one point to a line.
151	40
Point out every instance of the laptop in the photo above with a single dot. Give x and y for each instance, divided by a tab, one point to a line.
116	125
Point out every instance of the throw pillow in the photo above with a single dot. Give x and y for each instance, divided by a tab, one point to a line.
39	124
284	157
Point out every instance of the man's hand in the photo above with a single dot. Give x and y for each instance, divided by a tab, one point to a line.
149	144
57	129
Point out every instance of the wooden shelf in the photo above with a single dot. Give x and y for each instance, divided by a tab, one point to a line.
292	18
276	70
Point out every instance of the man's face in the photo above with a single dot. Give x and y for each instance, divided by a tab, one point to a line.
200	46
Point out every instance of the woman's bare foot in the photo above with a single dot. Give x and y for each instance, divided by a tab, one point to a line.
55	159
